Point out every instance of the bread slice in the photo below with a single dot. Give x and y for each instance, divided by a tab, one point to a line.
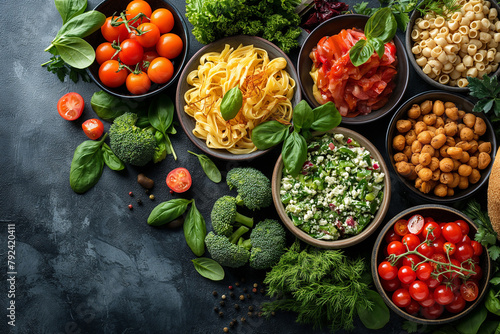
494	195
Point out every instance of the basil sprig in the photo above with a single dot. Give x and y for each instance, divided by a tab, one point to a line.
209	167
305	120
161	115
379	29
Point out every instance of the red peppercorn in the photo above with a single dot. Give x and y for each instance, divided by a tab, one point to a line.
131	194
171	192
230	287
130	206
254	290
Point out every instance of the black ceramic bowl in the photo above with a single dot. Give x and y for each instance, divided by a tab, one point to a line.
110	7
332	27
409	44
188	123
440	213
462	104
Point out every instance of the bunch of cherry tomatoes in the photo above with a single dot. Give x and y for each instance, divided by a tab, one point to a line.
430	266
139	48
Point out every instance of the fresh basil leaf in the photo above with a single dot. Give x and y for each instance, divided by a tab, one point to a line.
86	166
69	9
161	147
489	327
495	280
361	52
378	316
269	134
294	153
231	103
108	107
471	324
161	113
381	25
378	45
303	116
75	51
167	211
326	117
195	230
209	268
209	167
82	25
110	159
402	20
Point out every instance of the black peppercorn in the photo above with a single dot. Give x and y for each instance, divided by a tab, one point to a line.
245	290
249	297
221	314
214	293
222	303
250	308
236	306
232	295
216	309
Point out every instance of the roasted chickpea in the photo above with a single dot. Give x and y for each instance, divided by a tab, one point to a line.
456	180
432	129
438	141
465	157
469	120
473	162
446	178
479	127
418	168
426	107
398	143
419	127
430	119
441	190
403	125
414	111
446	165
438	108
428	149
410	137
461	114
440	131
425	137
403	168
416	146
426	187
415	158
455	152
456	164
464	145
452	113
407	151
466	133
485	147
398	157
435	175
418	182
439	122
475	176
442	151
463	183
464	170
483	160
434	164
424	160
451	129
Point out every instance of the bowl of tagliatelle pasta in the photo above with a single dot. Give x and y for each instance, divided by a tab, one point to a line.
262	72
361	94
448	44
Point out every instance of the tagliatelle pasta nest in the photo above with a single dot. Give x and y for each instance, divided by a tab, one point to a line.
267	91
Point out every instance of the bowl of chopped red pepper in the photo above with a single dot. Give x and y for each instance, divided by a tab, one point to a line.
361	94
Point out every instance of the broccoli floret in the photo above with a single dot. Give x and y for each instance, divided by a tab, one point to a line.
267	242
130	143
224	216
225	251
254	188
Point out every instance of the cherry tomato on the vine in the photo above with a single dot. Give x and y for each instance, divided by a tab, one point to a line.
429	301
138	83
147	58
401	227
437	245
396	248
464	226
432	312
70	106
169	45
387	271
179	180
416	224
406	275
443	294
477	247
411	241
431	230
93	128
149	34
111	75
411	260
457	305
413	308
138	6
131	52
105	51
433	282
419	290
391	285
449	248
424	271
160	70
426	250
114	33
392	236
401	297
163	19
452	232
464	252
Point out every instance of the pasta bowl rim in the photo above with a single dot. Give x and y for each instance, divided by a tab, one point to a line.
377	255
443	96
304	64
180	28
341	243
408	46
187	122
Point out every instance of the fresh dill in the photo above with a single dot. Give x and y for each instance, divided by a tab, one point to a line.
440	7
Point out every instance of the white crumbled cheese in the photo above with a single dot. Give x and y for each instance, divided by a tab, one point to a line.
320	159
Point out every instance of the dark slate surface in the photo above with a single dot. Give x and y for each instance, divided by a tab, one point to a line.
85	263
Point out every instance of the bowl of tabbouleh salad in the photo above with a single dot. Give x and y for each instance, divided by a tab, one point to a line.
341	195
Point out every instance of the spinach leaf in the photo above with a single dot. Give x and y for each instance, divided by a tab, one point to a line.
378	316
195	230
167	211
107	106
471	324
82	25
303	116
489	327
209	167
269	134
361	52
381	25
70	8
208	268
75	51
326	117
160	115
110	159
294	153
86	166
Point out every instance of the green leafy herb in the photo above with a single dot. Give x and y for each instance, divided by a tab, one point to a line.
492	302
167	211
410	326
487	91
195	230
485	233
57	66
294	153
303	116
269	134
324	118
471	324
161	115
231	103
110	159
86	166
324	287
161	147
208	268
209	167
108	107
376	316
400	9
69	9
440	7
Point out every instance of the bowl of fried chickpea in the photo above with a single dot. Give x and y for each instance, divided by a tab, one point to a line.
463	41
439	148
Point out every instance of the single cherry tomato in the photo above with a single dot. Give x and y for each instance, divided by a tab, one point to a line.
70	106
131	52
179	180
419	290
105	51
433	282
387	271
452	232
426	250
464	252
437	245
138	83
392	236
169	45
396	248
449	248
416	224
138	6
477	247
457	305
464	226
411	241
148	35
160	70
469	291
406	275
466	239
411	260
114	33
431	230
401	227
163	19
401	297
443	294
424	271
93	128
147	58
474	268
111	75
413	308
440	257
391	285
432	312
429	301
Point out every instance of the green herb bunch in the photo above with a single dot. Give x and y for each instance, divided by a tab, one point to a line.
400	10
439	7
487	91
305	119
324	288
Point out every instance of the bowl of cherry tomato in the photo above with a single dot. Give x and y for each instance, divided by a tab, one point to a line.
427	266
140	49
